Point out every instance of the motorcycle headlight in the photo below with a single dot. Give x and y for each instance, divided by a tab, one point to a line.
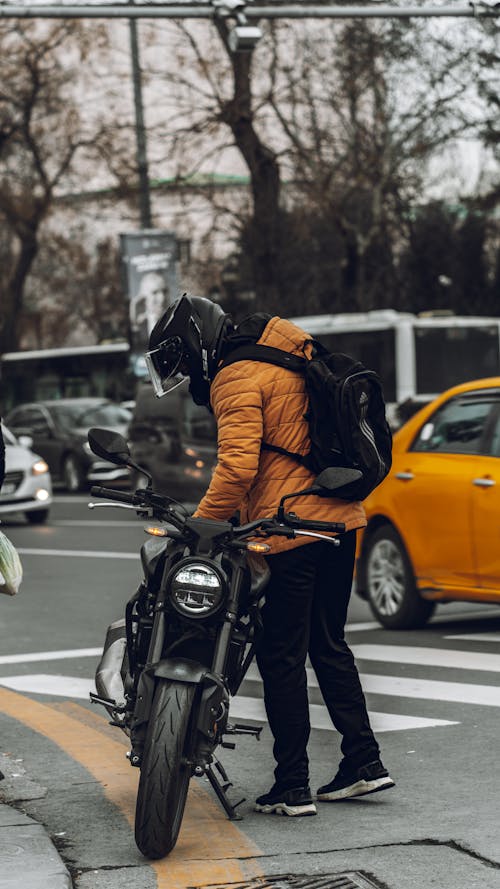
197	589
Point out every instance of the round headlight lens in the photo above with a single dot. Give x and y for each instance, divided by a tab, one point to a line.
196	589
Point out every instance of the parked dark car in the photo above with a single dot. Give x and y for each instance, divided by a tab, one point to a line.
58	431
175	440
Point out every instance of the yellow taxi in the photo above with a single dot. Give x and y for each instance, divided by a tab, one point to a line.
433	532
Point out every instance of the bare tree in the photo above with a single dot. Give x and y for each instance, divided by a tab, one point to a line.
336	125
41	135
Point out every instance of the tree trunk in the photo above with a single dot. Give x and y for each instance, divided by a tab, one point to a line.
14	290
264	172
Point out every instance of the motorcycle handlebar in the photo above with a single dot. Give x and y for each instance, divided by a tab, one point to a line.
112	494
285	527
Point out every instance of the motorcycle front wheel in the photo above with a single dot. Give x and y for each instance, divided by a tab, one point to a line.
164	780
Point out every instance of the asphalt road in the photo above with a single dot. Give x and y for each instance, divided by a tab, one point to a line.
433	696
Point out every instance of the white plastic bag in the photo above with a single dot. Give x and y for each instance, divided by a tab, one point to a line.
11	570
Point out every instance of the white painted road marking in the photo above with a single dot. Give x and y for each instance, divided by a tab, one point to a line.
426	689
90	523
241	707
48	684
366	625
49	655
77	553
428	657
253	708
477	637
432	690
250	707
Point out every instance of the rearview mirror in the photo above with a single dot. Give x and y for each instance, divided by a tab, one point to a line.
336	477
327	482
109	445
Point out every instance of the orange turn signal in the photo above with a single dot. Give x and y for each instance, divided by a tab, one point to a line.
254	547
156	532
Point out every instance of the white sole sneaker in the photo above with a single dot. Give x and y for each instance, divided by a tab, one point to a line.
359	788
284	809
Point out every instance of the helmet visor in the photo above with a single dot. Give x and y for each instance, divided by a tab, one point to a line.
166	364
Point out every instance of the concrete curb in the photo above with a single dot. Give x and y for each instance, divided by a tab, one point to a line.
28	858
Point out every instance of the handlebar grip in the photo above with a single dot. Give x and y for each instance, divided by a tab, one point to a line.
119	496
308	525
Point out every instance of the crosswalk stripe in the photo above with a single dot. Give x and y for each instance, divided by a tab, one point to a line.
426	689
477	637
431	689
241	707
253	708
93	523
76	553
48	684
429	657
49	655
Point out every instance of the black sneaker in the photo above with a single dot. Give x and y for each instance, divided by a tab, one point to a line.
297	801
358	782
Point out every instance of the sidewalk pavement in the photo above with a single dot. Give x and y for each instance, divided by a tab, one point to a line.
28	857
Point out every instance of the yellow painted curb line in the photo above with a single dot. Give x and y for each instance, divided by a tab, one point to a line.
210	847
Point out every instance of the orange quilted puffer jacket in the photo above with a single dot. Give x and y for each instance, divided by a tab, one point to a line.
255	402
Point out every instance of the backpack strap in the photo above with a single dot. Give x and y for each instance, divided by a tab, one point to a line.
269	355
266	354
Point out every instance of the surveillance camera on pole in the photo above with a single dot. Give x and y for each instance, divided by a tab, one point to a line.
242	37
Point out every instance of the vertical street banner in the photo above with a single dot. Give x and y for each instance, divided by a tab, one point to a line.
149	261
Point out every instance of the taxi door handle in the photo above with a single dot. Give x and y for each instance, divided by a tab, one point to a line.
405	476
484	482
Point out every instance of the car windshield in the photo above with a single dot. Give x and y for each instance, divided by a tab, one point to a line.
71	415
105	415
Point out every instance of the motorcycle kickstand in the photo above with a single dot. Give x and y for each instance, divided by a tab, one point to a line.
221	790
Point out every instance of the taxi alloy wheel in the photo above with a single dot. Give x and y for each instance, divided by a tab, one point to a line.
391	587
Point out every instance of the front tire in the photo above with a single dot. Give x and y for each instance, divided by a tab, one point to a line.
164	780
390	583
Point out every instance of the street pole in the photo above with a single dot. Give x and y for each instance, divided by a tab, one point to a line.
140	129
480	9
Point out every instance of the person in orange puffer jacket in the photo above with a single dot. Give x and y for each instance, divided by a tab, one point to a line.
310	585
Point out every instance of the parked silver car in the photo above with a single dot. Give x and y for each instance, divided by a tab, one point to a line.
27	486
58	430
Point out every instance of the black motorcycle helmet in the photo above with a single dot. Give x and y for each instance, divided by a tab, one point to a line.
187	341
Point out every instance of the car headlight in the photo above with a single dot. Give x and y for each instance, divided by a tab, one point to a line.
39	467
197	589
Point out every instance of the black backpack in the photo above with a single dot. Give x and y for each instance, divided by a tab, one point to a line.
346	415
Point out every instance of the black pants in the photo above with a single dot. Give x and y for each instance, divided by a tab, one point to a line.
305	613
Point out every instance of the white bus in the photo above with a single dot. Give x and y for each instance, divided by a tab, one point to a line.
416	356
103	371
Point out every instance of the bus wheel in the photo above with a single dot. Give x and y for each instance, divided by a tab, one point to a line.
72	474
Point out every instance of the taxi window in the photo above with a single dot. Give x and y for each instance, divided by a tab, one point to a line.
457	428
494	448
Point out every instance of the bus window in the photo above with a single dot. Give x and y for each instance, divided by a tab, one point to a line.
102	371
375	348
446	356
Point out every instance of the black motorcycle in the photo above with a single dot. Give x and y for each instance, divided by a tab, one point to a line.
170	667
